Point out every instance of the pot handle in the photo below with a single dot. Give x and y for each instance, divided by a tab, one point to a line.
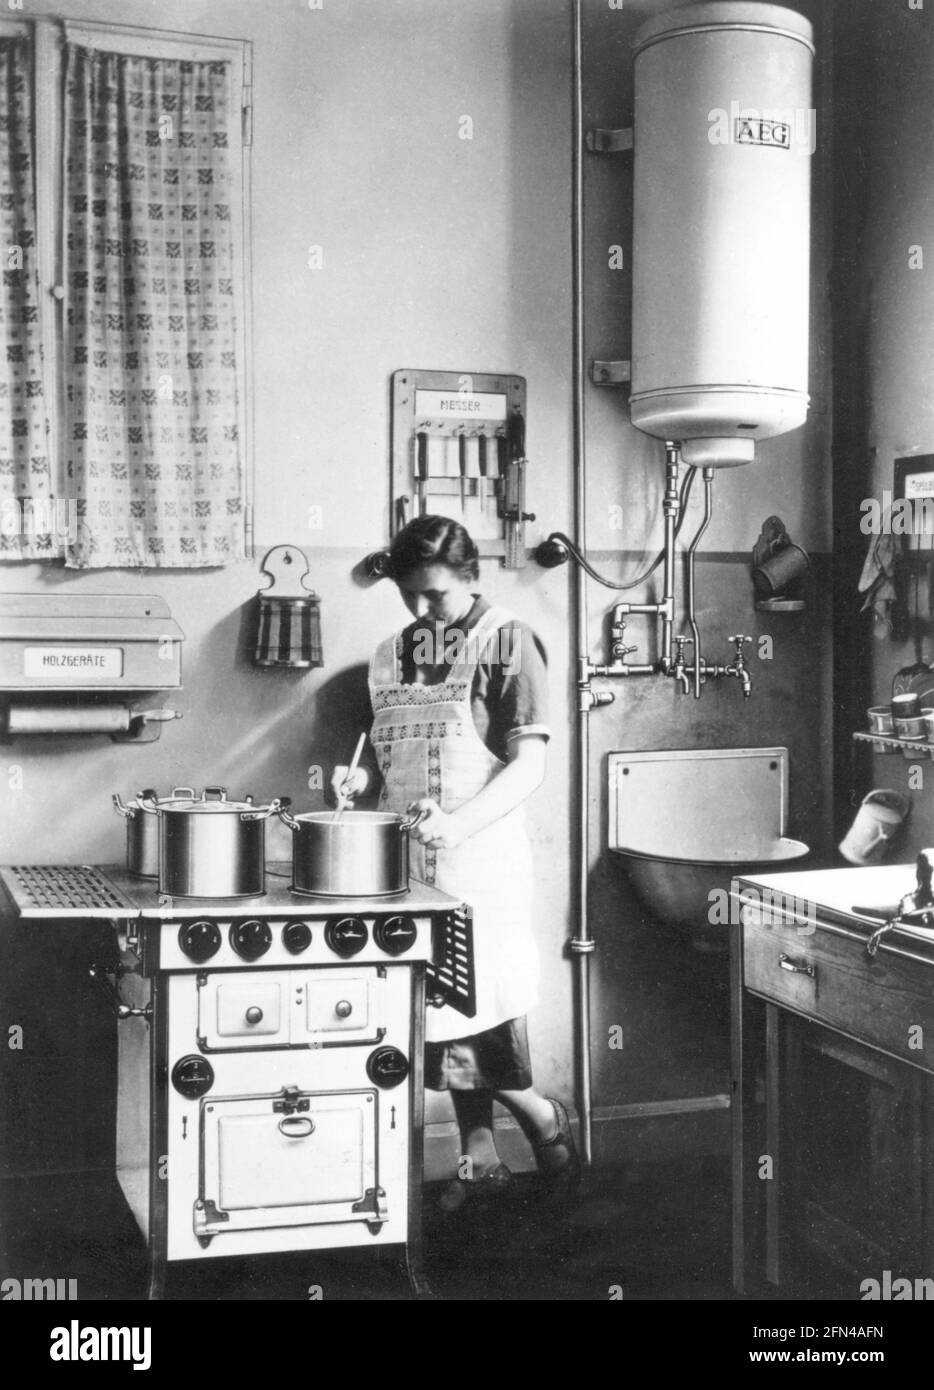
184	791
146	801
264	812
283	814
120	805
214	794
412	821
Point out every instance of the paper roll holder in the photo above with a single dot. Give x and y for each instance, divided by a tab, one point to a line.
122	723
81	664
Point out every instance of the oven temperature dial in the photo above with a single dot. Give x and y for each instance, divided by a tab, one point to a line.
251	939
192	1076
387	1067
199	940
296	937
395	935
346	936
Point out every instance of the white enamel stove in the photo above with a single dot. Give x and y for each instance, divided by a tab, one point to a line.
270	1061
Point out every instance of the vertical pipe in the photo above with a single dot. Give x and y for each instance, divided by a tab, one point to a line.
670	506
581	945
692	619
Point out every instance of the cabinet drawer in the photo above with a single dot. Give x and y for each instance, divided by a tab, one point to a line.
887	1001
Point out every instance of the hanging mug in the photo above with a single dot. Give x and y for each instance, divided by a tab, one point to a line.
877	822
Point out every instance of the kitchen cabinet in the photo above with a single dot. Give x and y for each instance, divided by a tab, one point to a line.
832	1086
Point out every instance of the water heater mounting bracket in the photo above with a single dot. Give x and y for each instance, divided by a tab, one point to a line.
611	373
609	141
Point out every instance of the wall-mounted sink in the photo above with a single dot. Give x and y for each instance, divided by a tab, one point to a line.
685	821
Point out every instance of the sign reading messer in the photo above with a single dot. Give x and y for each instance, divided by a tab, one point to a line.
461	405
77	664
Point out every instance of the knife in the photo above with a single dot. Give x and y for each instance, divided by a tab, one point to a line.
462	468
482	466
501	458
422	470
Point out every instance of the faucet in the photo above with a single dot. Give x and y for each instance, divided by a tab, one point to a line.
678	670
738	668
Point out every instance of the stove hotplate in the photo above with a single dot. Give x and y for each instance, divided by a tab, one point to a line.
52	892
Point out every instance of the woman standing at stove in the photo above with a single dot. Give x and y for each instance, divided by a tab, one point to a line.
458	703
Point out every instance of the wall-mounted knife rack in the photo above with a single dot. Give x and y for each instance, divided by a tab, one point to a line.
458	449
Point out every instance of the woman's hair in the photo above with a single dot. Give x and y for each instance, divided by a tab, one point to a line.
432	540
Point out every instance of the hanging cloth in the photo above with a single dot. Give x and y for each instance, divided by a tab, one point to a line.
27	530
152	439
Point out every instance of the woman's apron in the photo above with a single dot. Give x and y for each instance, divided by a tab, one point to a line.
427	745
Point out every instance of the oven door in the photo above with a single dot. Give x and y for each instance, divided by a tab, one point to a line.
308	1159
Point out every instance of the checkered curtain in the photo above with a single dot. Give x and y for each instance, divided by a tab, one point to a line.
26	527
153	449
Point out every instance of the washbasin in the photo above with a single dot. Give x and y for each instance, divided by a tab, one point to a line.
684	822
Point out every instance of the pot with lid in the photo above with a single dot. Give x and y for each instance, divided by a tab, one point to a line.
142	833
360	854
210	847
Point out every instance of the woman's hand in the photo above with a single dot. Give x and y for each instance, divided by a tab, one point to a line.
342	786
438	830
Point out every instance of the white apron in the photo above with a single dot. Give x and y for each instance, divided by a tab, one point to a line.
427	745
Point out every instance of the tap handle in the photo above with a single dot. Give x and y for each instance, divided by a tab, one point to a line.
680	644
739	640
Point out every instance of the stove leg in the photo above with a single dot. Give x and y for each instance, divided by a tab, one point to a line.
415	1273
156	1289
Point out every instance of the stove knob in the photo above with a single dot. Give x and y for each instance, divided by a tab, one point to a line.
296	937
192	1076
343	1008
254	1014
387	1067
346	936
395	935
251	939
199	940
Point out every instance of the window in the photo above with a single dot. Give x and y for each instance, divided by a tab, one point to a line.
124	428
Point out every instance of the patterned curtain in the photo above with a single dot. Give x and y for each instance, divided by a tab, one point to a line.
153	447
26	527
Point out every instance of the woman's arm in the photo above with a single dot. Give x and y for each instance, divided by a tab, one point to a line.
521	776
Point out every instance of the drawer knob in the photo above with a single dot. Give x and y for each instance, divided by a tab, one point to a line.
797	967
343	1008
254	1014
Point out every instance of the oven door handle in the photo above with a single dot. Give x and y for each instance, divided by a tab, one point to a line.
296	1126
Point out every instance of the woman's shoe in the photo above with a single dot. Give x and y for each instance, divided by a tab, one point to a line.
493	1184
560	1178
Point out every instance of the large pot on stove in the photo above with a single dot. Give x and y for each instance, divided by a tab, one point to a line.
354	854
142	833
210	847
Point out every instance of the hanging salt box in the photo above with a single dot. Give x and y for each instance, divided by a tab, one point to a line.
289	633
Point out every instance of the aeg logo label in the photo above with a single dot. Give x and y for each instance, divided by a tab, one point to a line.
757	131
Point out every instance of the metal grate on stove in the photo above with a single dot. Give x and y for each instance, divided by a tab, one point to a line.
59	888
450	972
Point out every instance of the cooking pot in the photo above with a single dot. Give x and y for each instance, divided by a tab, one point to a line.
142	833
359	854
210	847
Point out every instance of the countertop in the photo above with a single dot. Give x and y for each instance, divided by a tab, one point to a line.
836	894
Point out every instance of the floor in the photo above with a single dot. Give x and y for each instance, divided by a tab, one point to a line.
649	1233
